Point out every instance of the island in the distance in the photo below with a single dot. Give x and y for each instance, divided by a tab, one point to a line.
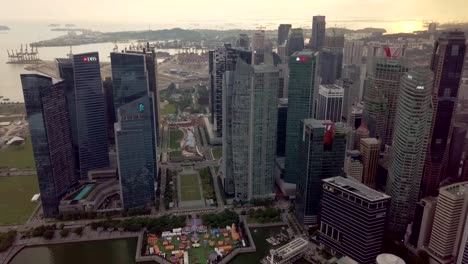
4	27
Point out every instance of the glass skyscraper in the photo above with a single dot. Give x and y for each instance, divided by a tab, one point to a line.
318	33
91	117
135	154
249	130
301	92
49	124
295	41
321	155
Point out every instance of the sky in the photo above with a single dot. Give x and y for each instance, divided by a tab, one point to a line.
213	11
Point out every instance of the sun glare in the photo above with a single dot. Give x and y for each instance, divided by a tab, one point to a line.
407	26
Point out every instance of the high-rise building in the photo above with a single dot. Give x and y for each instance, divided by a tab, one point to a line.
283	33
50	128
351	95
422	222
222	60
318	33
249	130
447	64
353	165
334	41
136	158
330	65
295	41
380	96
301	92
283	80
258	47
93	147
352	54
131	81
243	42
360	133
330	103
352	219
321	155
447	230
463	251
370	151
412	125
281	127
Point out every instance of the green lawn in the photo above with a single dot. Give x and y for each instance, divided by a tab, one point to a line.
207	181
15	198
20	157
217	152
189	187
169	109
175	137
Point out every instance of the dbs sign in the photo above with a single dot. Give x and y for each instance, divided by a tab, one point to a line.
89	59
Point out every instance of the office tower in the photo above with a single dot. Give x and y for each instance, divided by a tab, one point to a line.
136	158
422	222
221	60
463	251
447	65
350	81
457	148
330	65
283	33
447	230
258	47
49	124
355	116
249	130
91	118
321	155
330	103
109	102
352	219
432	28
243	42
283	80
361	132
301	91
380	97
318	33
412	125
281	127
352	54
282	51
353	167
370	151
295	41
335	41
131	80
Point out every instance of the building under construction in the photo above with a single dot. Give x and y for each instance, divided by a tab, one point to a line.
23	56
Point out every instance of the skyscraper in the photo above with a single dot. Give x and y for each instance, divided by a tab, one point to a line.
463	251
321	155
222	60
422	222
258	47
370	150
295	41
352	219
249	130
135	152
412	125
49	124
301	91
318	33
90	113
380	97
447	231
243	42
330	103
447	65
283	33
352	54
330	65
281	127
353	165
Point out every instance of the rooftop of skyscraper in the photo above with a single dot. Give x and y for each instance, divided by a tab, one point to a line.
457	189
356	188
304	53
372	141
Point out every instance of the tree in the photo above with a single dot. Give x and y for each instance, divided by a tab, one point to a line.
48	234
78	231
64	232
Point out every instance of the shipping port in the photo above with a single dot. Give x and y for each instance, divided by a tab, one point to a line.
23	56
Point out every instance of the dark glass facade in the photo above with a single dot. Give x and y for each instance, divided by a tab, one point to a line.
295	41
49	124
318	33
91	117
136	157
330	65
321	155
281	128
283	33
302	69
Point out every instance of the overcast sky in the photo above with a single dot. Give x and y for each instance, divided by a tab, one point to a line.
154	11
